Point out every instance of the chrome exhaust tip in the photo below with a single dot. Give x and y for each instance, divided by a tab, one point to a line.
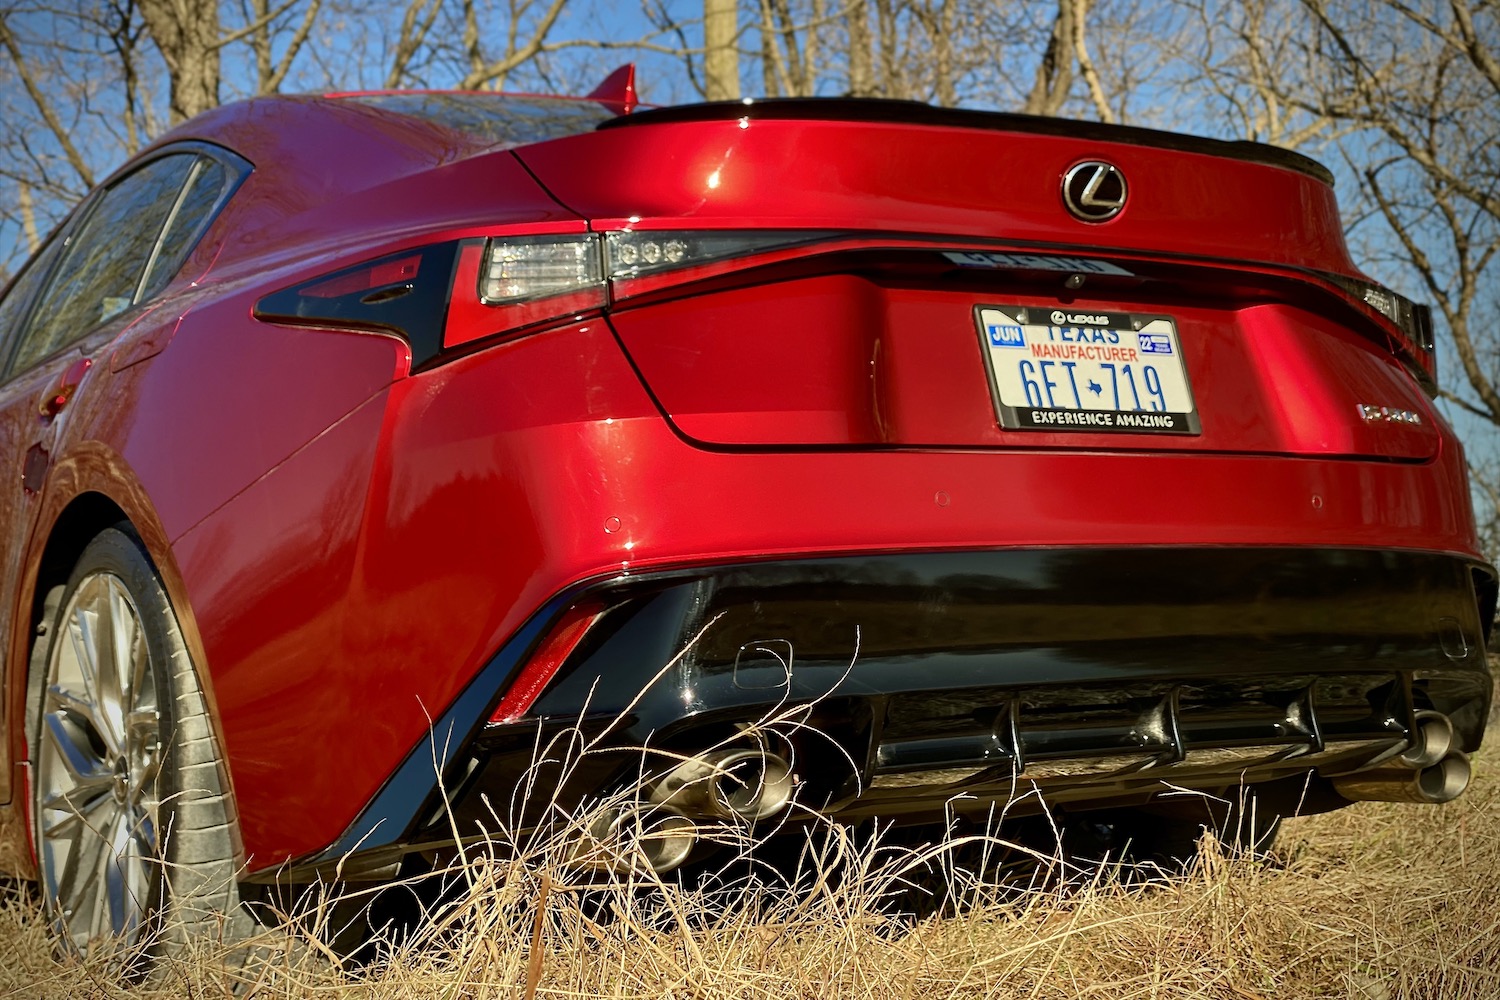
1447	779
636	837
728	784
1432	740
1443	781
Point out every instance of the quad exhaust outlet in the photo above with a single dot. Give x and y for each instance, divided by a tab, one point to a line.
1431	742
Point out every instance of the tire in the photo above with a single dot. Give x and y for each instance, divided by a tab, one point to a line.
135	835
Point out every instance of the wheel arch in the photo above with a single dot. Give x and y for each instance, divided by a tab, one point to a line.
85	516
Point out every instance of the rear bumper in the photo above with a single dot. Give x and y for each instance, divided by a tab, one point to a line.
913	683
490	509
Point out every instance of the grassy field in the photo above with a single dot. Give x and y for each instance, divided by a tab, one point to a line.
1375	901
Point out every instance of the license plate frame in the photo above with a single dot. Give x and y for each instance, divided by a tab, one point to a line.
1083	365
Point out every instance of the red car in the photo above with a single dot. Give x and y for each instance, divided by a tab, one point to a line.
359	440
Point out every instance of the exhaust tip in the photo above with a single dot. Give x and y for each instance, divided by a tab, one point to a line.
729	784
1445	780
1432	740
754	785
637	837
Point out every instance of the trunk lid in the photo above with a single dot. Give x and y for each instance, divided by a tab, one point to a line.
942	294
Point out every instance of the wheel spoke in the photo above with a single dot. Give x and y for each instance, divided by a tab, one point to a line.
115	887
98	900
115	672
85	857
142	788
85	634
75	812
85	767
62	699
141	718
144	833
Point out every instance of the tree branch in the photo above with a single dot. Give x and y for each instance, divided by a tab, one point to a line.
251	28
1086	65
299	38
75	159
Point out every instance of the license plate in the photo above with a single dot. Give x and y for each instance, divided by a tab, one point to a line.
1082	370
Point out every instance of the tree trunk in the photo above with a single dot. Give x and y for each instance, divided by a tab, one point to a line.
186	33
861	64
721	58
1054	75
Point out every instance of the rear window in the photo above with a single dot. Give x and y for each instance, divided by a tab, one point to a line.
495	119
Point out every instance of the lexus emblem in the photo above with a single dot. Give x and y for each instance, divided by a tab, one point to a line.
1094	191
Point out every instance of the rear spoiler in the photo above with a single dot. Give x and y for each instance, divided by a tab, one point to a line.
862	109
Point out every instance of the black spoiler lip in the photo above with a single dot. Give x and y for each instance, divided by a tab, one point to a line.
867	109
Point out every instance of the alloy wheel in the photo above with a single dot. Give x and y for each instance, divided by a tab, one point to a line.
99	755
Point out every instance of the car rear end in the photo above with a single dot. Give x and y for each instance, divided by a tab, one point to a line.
980	452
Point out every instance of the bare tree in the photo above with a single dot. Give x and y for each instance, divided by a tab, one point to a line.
1421	84
187	35
416	24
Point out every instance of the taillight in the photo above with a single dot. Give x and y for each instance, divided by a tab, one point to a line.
539	267
636	254
450	294
1412	320
511	284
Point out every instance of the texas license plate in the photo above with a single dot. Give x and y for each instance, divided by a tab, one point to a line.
1082	370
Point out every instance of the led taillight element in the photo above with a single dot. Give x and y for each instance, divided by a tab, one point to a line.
560	642
638	254
523	270
512	283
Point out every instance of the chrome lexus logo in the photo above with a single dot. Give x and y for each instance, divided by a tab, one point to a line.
1094	191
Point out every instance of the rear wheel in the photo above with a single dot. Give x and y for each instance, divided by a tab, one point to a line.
134	831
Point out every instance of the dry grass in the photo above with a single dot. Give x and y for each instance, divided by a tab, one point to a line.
1374	901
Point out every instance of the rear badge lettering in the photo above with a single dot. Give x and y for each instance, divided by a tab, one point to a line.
1388	415
1034	262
